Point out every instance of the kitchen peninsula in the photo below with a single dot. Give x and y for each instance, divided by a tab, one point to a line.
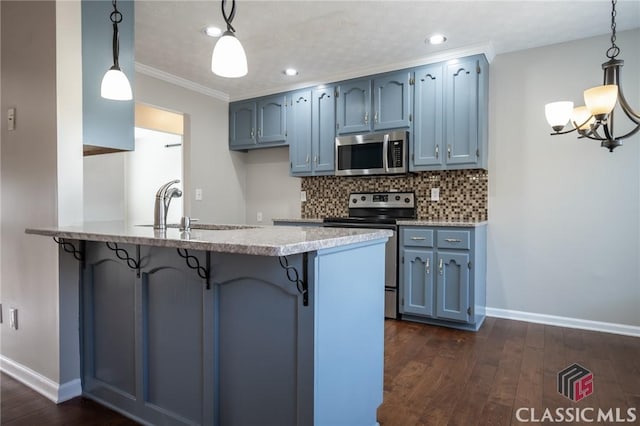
230	324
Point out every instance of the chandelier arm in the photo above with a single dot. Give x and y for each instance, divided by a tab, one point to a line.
563	133
628	111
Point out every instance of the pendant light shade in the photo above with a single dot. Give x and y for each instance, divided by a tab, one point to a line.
229	59
600	100
558	114
582	118
115	84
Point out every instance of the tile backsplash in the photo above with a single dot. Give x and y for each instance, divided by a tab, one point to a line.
463	193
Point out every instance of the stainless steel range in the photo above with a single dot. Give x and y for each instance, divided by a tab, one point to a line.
381	210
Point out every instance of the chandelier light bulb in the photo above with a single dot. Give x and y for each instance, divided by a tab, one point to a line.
228	59
558	114
582	118
601	100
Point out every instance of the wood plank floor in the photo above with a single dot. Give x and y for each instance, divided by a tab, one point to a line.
437	376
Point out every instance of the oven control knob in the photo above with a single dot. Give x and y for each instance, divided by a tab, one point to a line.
354	201
363	198
397	198
406	200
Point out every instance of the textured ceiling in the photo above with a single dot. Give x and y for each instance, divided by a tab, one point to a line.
328	40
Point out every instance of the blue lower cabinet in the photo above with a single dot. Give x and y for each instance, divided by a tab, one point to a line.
443	275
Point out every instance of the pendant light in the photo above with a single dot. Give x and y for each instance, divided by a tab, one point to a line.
115	84
228	58
597	114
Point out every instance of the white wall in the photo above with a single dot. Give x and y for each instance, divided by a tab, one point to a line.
209	164
564	213
104	187
270	189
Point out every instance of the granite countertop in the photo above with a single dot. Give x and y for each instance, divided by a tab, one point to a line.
298	220
242	239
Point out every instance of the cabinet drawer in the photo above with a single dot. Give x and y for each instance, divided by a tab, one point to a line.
416	237
454	239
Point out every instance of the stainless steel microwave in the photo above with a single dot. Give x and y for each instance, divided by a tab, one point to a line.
383	153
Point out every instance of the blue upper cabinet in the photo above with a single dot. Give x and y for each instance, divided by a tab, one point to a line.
258	123
311	125
354	107
242	125
272	120
428	124
299	132
391	101
107	125
450	126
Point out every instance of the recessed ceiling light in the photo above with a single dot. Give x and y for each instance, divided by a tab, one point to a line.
291	72
437	39
212	31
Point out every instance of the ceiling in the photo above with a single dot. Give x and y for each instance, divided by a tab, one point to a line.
332	40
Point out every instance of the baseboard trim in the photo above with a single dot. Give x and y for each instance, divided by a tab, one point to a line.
39	383
607	327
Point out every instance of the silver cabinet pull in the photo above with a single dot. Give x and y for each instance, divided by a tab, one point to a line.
452	240
441	266
252	133
449	151
418	238
437	151
366	117
375	117
260	131
315	159
307	160
427	267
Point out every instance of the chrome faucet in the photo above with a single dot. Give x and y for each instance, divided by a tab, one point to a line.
163	199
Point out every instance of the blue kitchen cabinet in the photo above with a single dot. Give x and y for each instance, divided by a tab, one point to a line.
311	124
427	128
391	101
299	121
443	275
242	125
450	127
107	125
354	107
258	123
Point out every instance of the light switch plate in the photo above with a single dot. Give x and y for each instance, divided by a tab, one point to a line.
259	217
198	194
435	194
11	119
13	318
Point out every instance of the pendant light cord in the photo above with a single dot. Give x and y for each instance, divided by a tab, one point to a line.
228	18
116	18
614	50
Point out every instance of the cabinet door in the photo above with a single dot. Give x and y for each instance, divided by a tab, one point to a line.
427	130
417	282
452	301
324	129
272	120
242	124
354	107
299	133
391	101
461	111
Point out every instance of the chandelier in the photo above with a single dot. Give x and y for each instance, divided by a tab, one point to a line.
228	58
595	120
115	84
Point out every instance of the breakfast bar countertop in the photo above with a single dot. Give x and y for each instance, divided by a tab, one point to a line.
242	239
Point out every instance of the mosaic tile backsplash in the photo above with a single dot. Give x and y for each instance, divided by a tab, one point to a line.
463	193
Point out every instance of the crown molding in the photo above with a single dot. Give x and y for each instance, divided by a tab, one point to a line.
179	81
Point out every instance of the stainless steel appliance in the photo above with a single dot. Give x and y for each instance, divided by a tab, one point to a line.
372	154
381	210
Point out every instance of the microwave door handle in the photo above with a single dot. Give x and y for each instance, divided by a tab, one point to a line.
385	149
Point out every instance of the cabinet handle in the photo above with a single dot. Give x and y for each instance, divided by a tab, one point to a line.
452	240
259	131
418	238
437	151
375	117
366	118
449	151
315	159
427	268
441	266
307	160
252	133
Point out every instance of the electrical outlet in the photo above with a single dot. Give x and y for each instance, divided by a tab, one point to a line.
303	195
259	216
13	318
11	119
435	194
198	194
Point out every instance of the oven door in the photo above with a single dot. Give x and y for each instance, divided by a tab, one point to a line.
390	262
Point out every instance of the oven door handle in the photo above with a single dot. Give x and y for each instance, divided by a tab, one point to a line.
385	149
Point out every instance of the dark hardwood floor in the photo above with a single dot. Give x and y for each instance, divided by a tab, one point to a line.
438	376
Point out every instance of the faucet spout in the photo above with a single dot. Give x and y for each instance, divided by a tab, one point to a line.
163	199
